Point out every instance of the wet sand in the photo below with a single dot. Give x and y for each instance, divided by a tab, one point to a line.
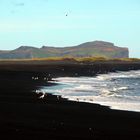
23	115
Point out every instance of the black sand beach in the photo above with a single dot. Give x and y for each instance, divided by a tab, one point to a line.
23	115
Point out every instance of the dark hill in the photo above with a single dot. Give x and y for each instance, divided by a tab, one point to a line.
95	48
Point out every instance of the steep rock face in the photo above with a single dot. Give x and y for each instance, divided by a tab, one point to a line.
95	48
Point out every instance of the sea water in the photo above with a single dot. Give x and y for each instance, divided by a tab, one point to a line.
118	90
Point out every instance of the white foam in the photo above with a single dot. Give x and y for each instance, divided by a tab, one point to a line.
123	106
83	88
105	92
102	89
128	74
129	106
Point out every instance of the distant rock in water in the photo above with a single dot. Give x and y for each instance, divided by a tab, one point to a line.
94	48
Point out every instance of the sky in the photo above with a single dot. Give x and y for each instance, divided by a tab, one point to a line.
69	22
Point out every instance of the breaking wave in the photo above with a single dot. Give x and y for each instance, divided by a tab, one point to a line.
118	90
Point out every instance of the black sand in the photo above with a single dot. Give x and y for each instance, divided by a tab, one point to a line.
24	116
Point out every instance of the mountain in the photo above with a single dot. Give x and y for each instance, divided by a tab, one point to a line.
94	48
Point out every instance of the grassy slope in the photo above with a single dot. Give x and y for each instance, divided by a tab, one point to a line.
70	59
84	50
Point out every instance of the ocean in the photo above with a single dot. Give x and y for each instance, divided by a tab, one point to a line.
118	90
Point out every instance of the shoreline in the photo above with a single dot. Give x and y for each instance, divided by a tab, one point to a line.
25	116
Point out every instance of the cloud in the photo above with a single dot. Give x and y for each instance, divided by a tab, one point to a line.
16	5
19	4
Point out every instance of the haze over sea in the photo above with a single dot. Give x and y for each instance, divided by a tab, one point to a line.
118	90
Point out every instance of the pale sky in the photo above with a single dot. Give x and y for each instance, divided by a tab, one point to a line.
69	22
